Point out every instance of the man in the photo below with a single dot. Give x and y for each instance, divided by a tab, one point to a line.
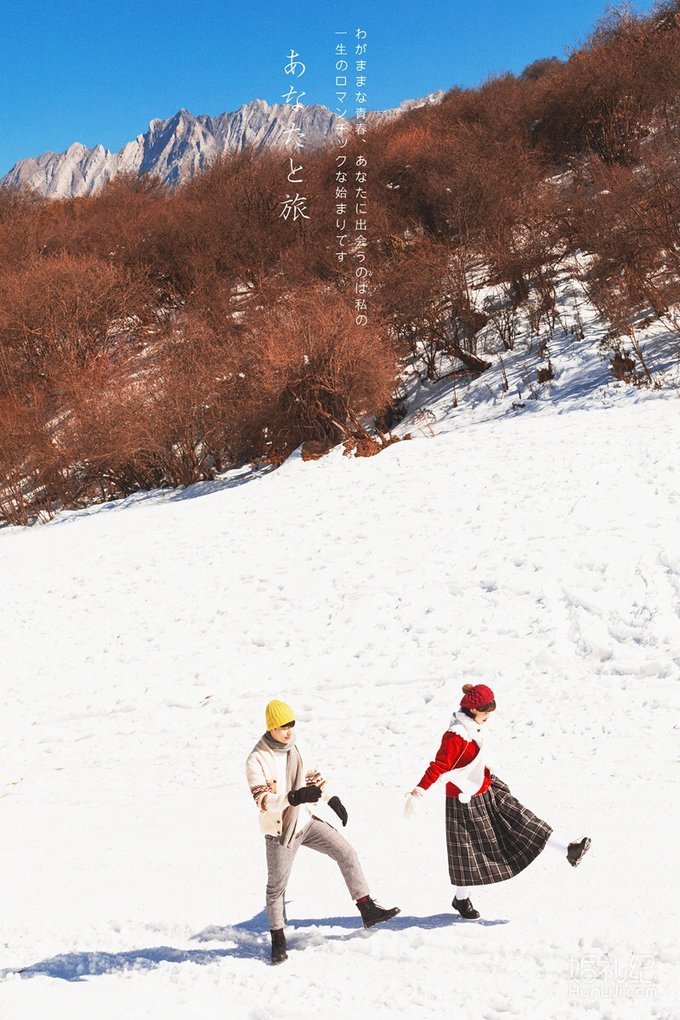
282	789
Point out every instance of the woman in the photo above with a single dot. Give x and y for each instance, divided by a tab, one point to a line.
490	836
282	788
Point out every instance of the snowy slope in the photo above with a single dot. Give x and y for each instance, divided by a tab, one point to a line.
536	549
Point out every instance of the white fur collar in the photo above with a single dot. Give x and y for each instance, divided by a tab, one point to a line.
467	727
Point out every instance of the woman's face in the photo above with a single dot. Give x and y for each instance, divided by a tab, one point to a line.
284	734
480	717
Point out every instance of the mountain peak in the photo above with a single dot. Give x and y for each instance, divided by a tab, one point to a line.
173	149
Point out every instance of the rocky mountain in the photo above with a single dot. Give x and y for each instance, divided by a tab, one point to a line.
179	147
174	149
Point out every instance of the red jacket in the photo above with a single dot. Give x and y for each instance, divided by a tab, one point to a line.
454	753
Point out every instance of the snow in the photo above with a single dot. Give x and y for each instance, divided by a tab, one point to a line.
536	549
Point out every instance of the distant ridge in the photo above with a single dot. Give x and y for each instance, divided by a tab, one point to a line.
178	148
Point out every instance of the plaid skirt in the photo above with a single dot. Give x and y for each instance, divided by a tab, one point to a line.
492	838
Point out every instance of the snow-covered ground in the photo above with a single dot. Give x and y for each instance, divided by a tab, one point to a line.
538	552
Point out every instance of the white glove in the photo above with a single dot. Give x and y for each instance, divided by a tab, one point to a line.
412	803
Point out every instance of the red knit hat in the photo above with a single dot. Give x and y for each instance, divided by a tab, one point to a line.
475	697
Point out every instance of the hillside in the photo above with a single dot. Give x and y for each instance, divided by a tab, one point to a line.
525	536
157	337
537	552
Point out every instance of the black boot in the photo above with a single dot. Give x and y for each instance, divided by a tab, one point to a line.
577	851
372	913
465	909
279	953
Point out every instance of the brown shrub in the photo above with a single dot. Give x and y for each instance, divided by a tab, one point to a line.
169	418
19	214
601	100
17	440
424	296
628	220
313	373
623	367
315	449
369	446
35	474
64	305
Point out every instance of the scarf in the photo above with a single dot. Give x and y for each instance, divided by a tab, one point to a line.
294	779
276	745
470	777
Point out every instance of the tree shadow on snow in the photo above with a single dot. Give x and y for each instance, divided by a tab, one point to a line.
248	940
232	480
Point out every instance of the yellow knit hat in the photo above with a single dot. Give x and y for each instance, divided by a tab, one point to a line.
278	713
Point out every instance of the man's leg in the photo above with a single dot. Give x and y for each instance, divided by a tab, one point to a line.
279	862
326	840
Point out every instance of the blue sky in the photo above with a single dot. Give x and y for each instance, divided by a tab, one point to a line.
99	70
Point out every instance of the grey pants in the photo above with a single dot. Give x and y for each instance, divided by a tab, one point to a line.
319	836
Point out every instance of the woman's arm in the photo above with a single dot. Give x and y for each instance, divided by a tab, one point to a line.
450	754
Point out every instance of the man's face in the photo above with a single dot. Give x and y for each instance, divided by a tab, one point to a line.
284	734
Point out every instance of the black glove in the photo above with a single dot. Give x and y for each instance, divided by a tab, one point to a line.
305	795
339	809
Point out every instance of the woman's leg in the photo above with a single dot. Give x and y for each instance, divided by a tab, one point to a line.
573	850
556	841
463	904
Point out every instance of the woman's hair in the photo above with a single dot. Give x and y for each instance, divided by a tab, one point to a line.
491	707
